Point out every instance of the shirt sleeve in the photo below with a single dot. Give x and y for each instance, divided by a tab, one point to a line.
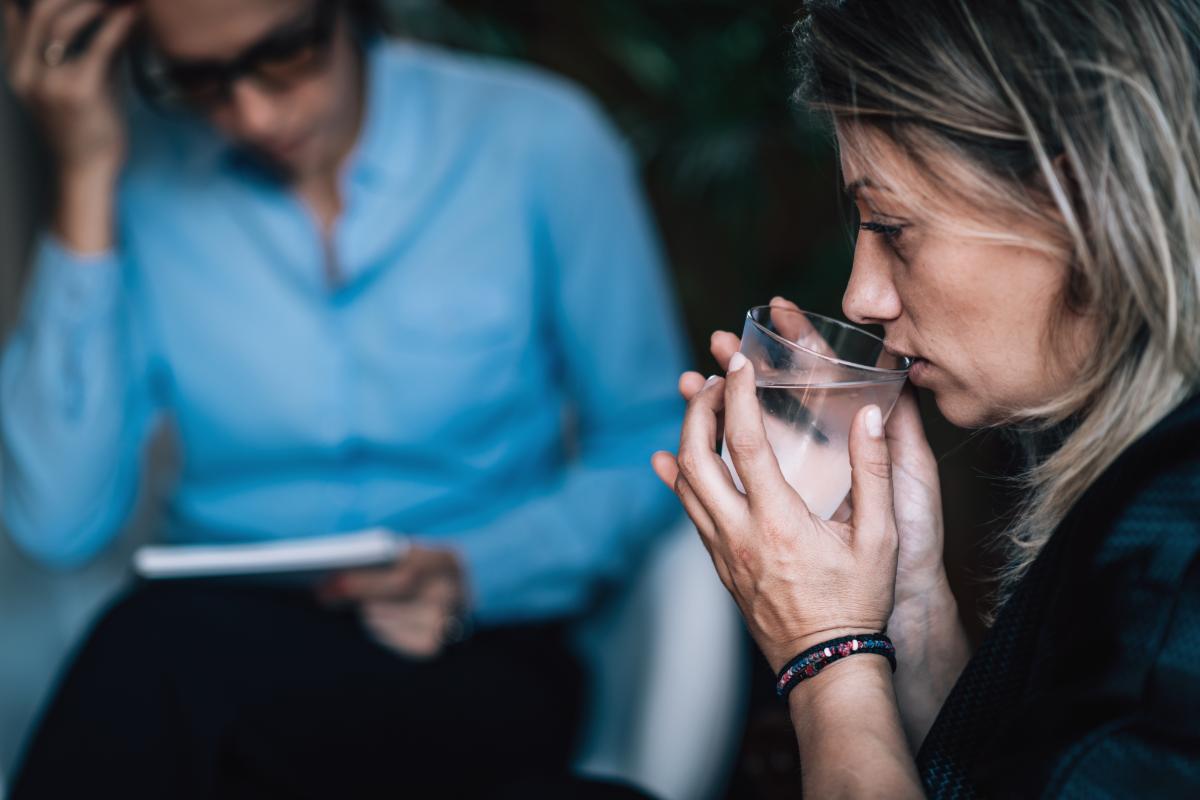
74	407
613	321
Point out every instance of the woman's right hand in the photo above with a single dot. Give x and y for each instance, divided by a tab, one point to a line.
73	98
917	493
924	622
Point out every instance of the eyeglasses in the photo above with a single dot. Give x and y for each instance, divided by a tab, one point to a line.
276	63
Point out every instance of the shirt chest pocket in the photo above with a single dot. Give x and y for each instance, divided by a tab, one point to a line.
454	355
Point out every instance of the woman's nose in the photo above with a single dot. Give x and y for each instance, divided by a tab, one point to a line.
871	297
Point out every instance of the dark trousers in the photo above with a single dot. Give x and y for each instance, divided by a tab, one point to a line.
190	690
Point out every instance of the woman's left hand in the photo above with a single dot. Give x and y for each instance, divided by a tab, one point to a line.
413	606
798	579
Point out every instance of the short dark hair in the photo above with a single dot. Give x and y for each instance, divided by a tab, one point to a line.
368	17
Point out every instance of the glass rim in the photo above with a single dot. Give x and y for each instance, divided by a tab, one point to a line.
899	373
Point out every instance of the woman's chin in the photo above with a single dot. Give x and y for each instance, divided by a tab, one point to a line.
962	410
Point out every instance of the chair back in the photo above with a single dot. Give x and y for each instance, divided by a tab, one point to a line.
667	662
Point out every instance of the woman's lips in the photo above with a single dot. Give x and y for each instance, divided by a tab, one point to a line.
896	352
919	371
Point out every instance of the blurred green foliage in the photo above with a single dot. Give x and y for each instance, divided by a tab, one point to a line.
743	182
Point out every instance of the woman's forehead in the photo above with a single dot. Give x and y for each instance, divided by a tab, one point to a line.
200	30
868	161
874	166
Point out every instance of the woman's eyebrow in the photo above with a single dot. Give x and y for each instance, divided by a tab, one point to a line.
852	188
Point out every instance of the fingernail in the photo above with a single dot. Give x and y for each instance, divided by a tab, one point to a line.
737	362
874	422
712	379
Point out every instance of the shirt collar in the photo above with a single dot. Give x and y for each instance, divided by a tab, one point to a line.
383	149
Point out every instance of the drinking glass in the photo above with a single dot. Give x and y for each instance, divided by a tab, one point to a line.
813	375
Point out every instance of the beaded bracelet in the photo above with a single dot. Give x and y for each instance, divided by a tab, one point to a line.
816	658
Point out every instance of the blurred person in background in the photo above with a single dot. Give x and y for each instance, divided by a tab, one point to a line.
1027	180
367	283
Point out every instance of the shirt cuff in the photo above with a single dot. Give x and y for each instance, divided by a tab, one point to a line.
74	287
482	558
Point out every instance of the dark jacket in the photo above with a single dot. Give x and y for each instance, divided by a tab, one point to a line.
1088	684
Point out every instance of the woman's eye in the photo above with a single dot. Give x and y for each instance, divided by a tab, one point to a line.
889	232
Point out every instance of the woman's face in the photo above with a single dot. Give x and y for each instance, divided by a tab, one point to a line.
975	314
307	120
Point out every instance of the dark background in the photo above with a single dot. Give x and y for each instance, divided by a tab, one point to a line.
745	188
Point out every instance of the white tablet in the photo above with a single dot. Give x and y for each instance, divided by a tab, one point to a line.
367	548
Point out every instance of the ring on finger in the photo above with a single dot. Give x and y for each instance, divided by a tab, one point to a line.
54	53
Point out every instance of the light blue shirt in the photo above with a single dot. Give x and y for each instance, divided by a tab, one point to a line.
492	370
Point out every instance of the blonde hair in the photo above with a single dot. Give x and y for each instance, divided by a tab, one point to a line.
1082	116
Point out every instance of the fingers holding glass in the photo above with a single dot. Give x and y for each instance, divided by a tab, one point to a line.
873	516
723	345
698	476
698	460
667	469
794	325
690	383
746	438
